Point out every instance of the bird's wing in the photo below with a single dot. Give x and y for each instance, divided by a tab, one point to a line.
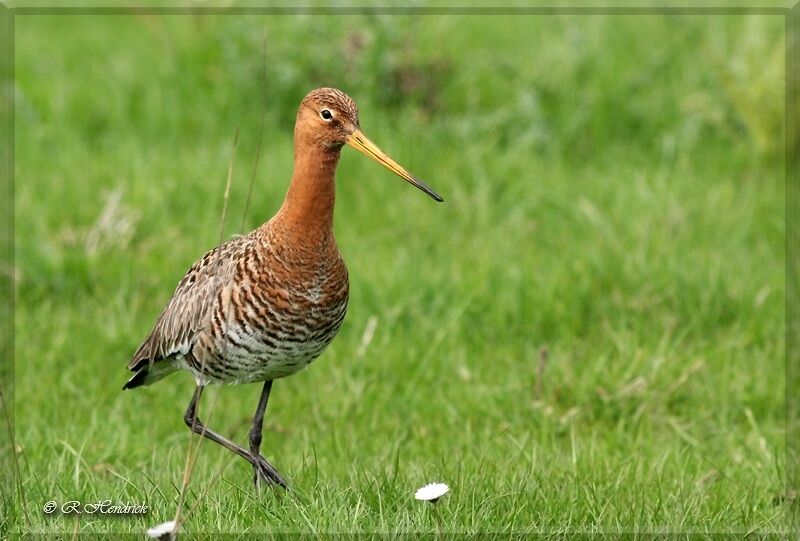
187	312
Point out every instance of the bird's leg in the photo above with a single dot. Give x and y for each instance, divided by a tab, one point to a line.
192	421
262	470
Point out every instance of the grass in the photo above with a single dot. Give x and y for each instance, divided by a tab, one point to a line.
587	336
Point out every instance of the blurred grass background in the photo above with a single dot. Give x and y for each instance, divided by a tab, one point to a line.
588	335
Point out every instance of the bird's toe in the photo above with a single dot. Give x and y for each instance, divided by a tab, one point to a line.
264	472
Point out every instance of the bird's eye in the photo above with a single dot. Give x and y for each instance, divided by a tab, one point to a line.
326	114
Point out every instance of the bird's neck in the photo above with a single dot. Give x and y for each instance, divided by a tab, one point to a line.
308	207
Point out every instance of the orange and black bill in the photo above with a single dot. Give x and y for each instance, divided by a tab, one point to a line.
360	142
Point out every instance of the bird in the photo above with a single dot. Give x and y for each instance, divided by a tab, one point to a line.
264	305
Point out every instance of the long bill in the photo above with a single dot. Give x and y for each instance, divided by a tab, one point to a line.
360	142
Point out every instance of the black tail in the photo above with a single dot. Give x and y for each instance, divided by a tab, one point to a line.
138	379
150	373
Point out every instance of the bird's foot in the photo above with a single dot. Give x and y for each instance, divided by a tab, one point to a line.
264	473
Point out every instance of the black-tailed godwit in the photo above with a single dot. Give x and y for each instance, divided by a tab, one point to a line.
263	306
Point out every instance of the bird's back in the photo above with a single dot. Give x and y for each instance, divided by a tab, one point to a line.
257	308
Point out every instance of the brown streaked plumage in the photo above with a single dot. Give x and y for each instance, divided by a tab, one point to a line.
263	306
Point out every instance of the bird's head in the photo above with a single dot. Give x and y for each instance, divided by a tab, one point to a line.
328	120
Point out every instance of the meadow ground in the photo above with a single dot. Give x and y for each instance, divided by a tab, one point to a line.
588	335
